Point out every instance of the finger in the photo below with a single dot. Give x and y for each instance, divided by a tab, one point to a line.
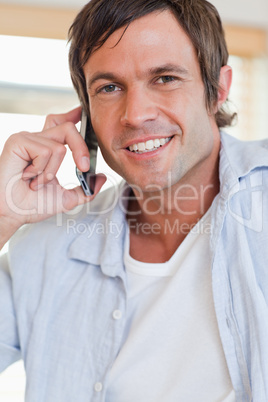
100	179
76	196
51	168
68	134
54	120
31	158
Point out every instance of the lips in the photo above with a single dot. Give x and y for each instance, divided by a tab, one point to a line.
148	146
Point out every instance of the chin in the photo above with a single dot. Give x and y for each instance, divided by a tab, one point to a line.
149	185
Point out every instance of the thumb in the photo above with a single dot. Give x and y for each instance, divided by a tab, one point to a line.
76	196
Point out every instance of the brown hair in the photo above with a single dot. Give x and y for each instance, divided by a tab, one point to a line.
199	19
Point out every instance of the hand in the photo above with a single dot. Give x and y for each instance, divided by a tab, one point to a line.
29	189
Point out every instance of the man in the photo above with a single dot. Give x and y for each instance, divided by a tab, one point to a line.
156	290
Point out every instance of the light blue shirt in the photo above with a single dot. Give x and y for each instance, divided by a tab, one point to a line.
63	287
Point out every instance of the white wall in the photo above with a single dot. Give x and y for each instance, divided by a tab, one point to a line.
74	4
248	12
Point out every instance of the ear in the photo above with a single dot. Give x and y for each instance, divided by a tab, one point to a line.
225	82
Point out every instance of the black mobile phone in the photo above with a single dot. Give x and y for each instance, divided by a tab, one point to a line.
87	179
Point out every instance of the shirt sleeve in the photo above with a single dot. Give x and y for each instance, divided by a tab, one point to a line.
9	339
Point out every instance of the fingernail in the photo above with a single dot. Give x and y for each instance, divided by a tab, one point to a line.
50	176
85	163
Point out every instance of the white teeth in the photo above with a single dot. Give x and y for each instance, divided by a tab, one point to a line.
141	146
148	145
157	143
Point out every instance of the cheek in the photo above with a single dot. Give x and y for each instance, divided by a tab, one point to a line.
103	128
104	120
194	114
180	107
96	117
100	125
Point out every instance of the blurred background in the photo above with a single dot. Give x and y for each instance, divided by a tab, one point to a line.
34	81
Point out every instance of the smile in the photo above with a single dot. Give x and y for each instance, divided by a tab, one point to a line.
148	146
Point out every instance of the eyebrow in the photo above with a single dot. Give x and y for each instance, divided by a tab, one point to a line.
101	76
166	68
169	68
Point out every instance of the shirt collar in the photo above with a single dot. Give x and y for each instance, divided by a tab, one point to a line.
238	158
102	241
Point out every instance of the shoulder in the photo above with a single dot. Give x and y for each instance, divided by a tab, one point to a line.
239	159
53	236
245	153
228	142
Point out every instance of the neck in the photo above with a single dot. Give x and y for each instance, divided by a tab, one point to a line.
159	221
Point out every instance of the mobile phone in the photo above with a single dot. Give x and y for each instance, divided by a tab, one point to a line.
87	179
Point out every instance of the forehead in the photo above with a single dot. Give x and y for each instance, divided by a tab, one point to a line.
147	40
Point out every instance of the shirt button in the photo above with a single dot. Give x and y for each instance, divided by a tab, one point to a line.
98	387
117	314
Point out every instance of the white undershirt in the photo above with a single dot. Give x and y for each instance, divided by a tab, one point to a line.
172	350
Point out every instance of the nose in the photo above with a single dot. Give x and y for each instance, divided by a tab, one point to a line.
138	108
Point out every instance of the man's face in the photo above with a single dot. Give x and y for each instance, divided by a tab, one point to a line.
147	104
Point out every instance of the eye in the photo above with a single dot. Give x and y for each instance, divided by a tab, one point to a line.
109	88
165	79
